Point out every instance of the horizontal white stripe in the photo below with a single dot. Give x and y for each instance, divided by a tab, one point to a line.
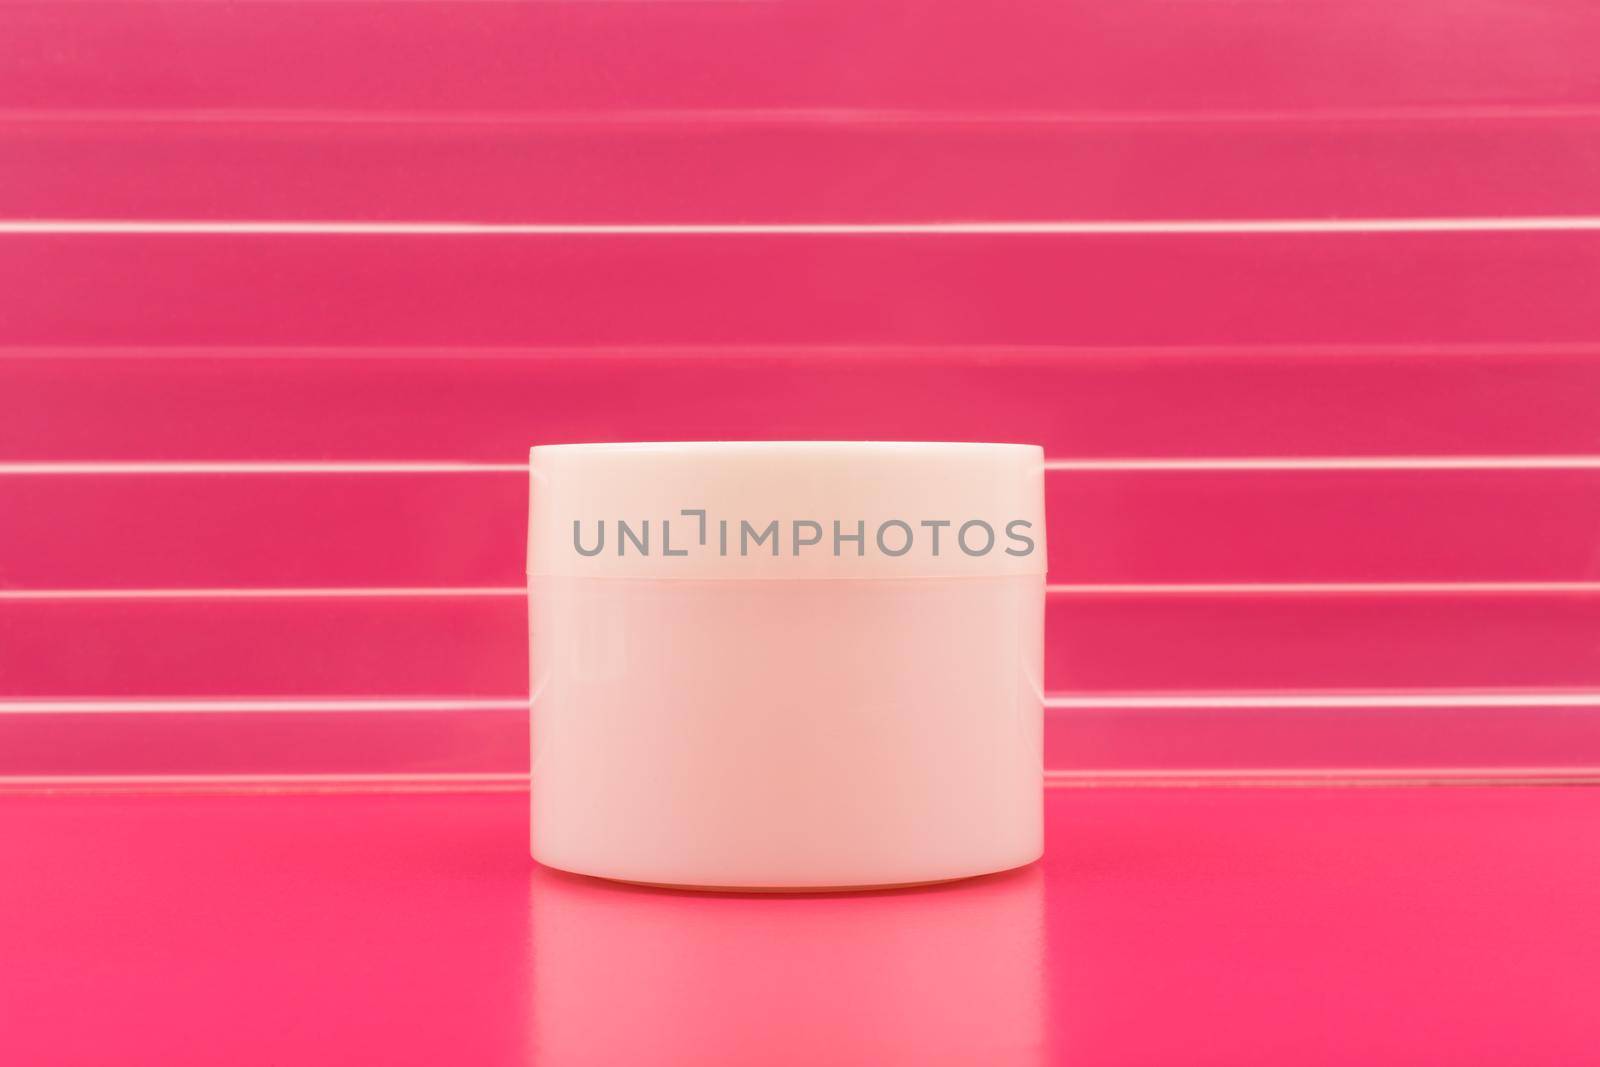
1330	700
1320	777
1063	589
297	783
510	782
182	706
1316	588
265	467
279	593
1212	463
1331	463
804	116
756	352
1172	227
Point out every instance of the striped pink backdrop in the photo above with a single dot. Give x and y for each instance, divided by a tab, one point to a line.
1303	302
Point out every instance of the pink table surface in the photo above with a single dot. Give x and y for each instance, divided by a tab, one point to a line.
1414	926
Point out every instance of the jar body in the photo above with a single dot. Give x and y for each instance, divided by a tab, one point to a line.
787	734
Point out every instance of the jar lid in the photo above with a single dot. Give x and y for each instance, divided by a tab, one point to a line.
786	509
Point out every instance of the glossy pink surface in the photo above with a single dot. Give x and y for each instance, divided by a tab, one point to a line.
1176	927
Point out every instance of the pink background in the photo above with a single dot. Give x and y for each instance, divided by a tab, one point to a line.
1299	299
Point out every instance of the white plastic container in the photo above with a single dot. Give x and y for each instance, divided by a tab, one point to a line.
786	665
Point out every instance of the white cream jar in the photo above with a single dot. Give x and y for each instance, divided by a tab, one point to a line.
786	665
